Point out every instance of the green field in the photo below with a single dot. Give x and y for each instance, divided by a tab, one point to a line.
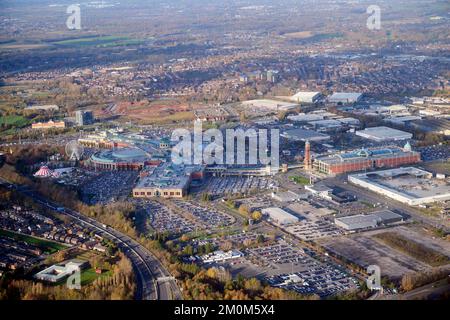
299	180
89	275
48	247
107	41
14	120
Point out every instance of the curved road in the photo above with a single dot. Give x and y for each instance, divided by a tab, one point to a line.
147	267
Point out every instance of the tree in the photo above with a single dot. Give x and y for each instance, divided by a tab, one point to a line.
260	238
253	285
188	250
243	209
60	256
248	242
256	215
212	273
230	204
206	197
282	115
226	246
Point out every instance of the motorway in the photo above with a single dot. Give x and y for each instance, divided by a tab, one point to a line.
431	291
148	268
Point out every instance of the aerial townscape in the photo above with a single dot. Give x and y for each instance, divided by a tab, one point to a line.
332	181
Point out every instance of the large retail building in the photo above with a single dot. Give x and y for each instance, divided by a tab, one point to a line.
365	159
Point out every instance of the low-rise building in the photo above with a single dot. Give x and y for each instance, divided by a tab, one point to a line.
49	125
306	97
304	135
367	221
345	97
221	256
381	134
58	272
280	216
409	185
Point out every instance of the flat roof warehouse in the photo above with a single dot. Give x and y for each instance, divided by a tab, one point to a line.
408	185
372	220
384	134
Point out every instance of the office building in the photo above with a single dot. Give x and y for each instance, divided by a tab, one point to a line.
83	118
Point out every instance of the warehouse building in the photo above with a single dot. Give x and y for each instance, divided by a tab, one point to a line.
305	135
306	97
326	125
408	185
350	122
368	221
365	159
301	117
345	97
381	134
268	104
279	216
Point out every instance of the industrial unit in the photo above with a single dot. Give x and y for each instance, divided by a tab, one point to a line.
345	97
409	185
306	97
304	135
279	216
367	221
268	104
381	134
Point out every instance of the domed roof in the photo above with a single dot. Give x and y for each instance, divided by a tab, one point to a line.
120	155
128	153
407	146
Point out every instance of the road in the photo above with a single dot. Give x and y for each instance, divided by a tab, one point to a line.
147	267
427	292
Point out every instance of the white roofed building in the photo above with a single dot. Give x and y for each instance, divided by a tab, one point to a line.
380	134
306	97
345	97
279	216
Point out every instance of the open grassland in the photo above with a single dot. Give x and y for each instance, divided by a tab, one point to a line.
172	118
299	35
299	180
413	249
14	120
106	41
23	46
89	275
